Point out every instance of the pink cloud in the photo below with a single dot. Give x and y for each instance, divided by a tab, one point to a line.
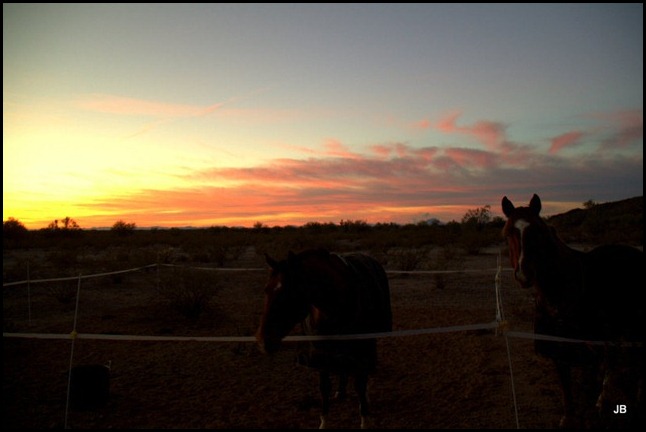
471	158
381	150
422	124
426	153
569	139
447	123
627	128
258	115
164	113
112	104
491	134
335	148
292	191
399	149
388	182
332	147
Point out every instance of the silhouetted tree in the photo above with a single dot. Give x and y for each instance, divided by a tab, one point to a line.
354	226
66	227
13	229
478	217
123	228
589	204
474	222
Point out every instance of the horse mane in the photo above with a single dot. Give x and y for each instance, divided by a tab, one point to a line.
315	252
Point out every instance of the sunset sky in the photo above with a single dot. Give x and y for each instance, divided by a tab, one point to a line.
229	114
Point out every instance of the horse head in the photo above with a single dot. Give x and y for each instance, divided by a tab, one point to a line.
286	302
525	232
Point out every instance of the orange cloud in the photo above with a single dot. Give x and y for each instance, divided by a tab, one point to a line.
386	182
396	188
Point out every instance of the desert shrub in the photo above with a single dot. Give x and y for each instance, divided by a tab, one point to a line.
188	291
409	259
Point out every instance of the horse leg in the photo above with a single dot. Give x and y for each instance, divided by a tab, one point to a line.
325	386
565	377
361	386
343	383
593	391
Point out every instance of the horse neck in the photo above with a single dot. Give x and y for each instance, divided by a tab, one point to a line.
559	272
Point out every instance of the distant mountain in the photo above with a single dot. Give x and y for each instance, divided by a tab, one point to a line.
611	222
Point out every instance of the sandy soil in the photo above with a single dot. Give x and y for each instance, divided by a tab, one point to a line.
444	380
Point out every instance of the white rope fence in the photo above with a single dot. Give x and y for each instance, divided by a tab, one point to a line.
222	269
244	339
399	333
500	319
500	324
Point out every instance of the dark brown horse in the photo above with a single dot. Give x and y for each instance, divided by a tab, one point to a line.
595	296
331	295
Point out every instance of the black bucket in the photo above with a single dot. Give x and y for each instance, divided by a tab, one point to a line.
89	386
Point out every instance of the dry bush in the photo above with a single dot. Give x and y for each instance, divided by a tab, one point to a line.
187	290
410	259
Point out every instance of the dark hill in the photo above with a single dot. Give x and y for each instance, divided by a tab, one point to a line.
612	222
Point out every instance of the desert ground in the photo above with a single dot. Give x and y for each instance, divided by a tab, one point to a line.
438	380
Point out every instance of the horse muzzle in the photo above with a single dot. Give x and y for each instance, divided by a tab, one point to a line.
267	344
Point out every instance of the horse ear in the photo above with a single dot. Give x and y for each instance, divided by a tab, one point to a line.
507	206
535	204
272	262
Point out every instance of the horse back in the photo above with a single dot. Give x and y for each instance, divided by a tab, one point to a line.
368	284
369	278
607	304
613	278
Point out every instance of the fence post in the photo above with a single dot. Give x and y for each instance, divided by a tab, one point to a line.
28	295
73	336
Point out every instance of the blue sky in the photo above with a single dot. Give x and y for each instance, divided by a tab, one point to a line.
227	114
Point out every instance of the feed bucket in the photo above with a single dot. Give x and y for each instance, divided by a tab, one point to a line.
89	386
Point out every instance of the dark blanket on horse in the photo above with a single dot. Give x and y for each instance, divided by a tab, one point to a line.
602	305
368	284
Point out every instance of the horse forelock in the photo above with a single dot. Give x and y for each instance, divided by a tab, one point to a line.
521	228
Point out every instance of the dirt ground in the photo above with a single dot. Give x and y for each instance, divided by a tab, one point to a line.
439	380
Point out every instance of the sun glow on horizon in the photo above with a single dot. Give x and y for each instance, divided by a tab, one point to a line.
201	127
